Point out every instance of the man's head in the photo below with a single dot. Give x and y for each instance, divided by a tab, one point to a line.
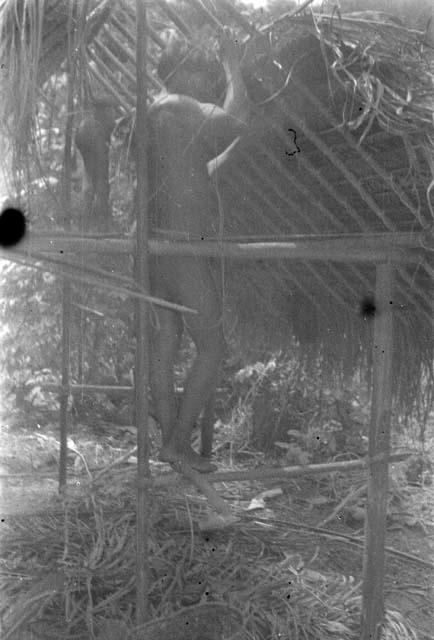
191	71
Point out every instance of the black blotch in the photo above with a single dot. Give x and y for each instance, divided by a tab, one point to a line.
294	140
368	308
12	227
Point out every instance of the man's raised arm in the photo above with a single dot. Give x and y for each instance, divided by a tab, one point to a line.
222	125
236	103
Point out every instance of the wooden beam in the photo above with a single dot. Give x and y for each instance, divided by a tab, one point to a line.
378	450
267	473
76	389
66	284
172	479
347	248
141	370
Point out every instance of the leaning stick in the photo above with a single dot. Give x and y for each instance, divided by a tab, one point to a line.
201	482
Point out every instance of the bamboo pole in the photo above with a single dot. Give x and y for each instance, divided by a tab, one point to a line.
379	448
64	392
348	248
75	389
141	373
66	286
346	466
263	473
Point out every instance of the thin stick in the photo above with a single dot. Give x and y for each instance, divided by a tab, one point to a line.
73	274
201	482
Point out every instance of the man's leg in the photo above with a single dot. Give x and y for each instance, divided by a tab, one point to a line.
166	338
195	288
207	425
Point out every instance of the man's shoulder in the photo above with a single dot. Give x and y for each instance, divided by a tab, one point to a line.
173	103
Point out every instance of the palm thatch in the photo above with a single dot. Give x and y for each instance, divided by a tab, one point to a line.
341	145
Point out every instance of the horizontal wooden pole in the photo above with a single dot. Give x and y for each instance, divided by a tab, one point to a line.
278	472
172	478
88	388
76	388
399	247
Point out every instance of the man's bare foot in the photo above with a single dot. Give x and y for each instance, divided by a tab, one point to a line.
190	457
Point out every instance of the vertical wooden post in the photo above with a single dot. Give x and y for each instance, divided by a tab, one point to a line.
66	288
379	449
64	391
141	320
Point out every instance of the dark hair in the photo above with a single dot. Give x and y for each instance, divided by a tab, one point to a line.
181	54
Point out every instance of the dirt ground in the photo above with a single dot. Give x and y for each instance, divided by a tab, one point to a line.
27	456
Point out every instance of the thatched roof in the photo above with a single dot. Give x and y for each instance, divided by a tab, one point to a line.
342	143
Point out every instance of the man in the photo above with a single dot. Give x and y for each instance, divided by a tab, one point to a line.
185	134
93	141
